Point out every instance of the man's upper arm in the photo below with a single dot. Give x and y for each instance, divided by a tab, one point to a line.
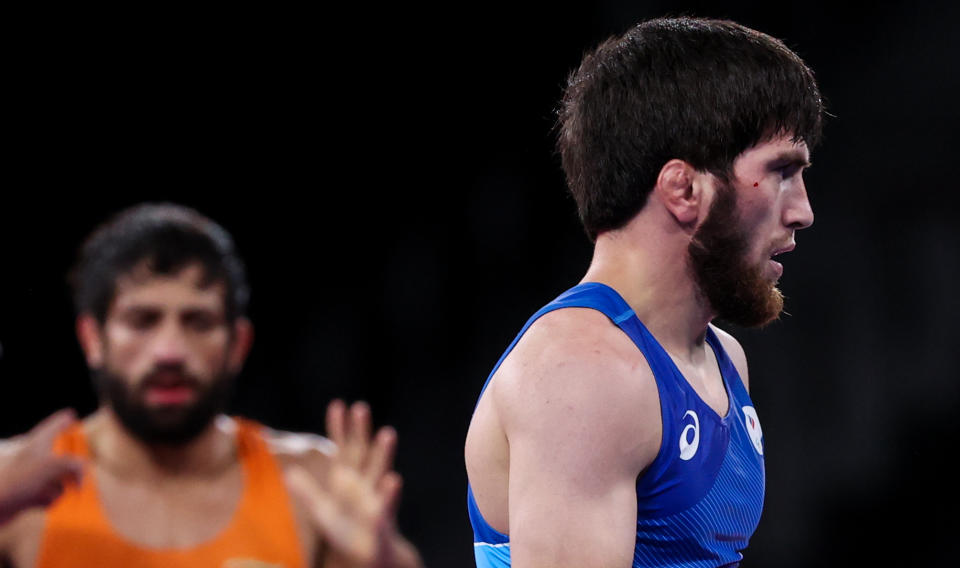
582	422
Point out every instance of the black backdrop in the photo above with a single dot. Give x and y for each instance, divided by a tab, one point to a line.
388	174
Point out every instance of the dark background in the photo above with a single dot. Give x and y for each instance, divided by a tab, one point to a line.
388	174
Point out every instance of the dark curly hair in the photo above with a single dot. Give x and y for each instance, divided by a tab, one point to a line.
695	89
168	237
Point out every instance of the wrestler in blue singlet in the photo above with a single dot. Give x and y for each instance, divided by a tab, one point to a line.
700	499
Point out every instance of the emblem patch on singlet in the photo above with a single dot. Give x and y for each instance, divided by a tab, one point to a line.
688	446
248	563
753	428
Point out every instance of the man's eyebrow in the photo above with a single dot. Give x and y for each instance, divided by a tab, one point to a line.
791	158
143	307
196	309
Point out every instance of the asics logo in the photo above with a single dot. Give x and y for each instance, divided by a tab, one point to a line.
688	446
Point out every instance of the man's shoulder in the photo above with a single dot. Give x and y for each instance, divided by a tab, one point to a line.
581	336
580	383
304	449
574	356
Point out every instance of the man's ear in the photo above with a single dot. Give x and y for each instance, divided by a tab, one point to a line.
240	345
90	337
678	190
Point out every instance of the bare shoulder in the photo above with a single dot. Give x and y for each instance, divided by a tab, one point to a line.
575	374
577	349
735	352
310	451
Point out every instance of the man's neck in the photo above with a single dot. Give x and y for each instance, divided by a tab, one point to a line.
113	447
649	268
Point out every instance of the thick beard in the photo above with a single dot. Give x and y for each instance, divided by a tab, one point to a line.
738	292
163	426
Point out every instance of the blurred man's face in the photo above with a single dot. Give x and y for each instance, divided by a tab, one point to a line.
166	369
752	219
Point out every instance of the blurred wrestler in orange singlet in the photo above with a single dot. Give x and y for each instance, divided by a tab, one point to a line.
158	476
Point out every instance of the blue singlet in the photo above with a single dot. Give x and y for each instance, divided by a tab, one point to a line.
700	499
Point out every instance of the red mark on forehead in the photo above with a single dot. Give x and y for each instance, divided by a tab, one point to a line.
756	184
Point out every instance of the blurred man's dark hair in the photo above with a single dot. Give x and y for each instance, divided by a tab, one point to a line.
698	90
168	238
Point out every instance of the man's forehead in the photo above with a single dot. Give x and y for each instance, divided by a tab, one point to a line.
188	285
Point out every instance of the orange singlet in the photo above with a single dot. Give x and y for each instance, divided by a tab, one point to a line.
261	534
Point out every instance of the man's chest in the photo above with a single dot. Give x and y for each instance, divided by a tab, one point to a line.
178	514
171	512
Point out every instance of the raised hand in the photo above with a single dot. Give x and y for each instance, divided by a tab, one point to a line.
354	507
30	474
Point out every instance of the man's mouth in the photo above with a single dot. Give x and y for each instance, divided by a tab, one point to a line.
166	389
170	395
775	268
782	250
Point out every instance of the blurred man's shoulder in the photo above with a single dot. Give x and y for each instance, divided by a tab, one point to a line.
307	450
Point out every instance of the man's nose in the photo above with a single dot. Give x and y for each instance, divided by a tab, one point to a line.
798	213
169	345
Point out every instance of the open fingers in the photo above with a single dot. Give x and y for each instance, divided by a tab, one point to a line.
350	429
336	423
358	435
380	457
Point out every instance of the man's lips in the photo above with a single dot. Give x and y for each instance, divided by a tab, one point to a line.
775	266
170	395
784	249
169	388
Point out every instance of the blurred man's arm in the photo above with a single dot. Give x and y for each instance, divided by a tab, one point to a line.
31	476
582	422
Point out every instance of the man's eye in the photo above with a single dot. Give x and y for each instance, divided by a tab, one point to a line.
142	320
788	170
200	322
792	169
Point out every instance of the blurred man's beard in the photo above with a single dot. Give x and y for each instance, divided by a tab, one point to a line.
166	425
738	292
